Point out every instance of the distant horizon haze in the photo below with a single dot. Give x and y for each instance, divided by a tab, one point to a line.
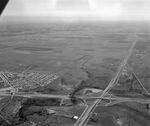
76	10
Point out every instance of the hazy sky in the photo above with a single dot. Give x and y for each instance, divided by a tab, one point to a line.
81	9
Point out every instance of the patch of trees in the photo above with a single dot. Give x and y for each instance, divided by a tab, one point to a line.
42	102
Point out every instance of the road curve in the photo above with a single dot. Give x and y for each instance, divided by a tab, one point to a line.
86	115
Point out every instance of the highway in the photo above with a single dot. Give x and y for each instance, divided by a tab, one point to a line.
86	115
36	95
111	98
124	99
2	75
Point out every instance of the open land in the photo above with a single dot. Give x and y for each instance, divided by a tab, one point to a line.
51	73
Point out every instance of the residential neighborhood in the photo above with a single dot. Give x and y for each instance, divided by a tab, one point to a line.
26	80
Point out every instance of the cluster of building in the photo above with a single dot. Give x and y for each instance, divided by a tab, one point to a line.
2	83
27	80
141	54
140	58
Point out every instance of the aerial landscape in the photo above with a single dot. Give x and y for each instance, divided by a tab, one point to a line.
58	77
74	73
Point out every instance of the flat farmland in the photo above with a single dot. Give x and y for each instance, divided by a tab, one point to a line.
84	56
54	47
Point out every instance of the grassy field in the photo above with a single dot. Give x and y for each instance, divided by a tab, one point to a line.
89	53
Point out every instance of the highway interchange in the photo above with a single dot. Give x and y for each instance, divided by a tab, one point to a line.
104	98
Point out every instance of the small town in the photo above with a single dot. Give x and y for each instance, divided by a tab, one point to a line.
26	80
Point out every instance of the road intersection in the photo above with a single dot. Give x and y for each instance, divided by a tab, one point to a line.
86	115
103	99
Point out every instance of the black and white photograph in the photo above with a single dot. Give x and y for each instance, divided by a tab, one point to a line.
74	62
